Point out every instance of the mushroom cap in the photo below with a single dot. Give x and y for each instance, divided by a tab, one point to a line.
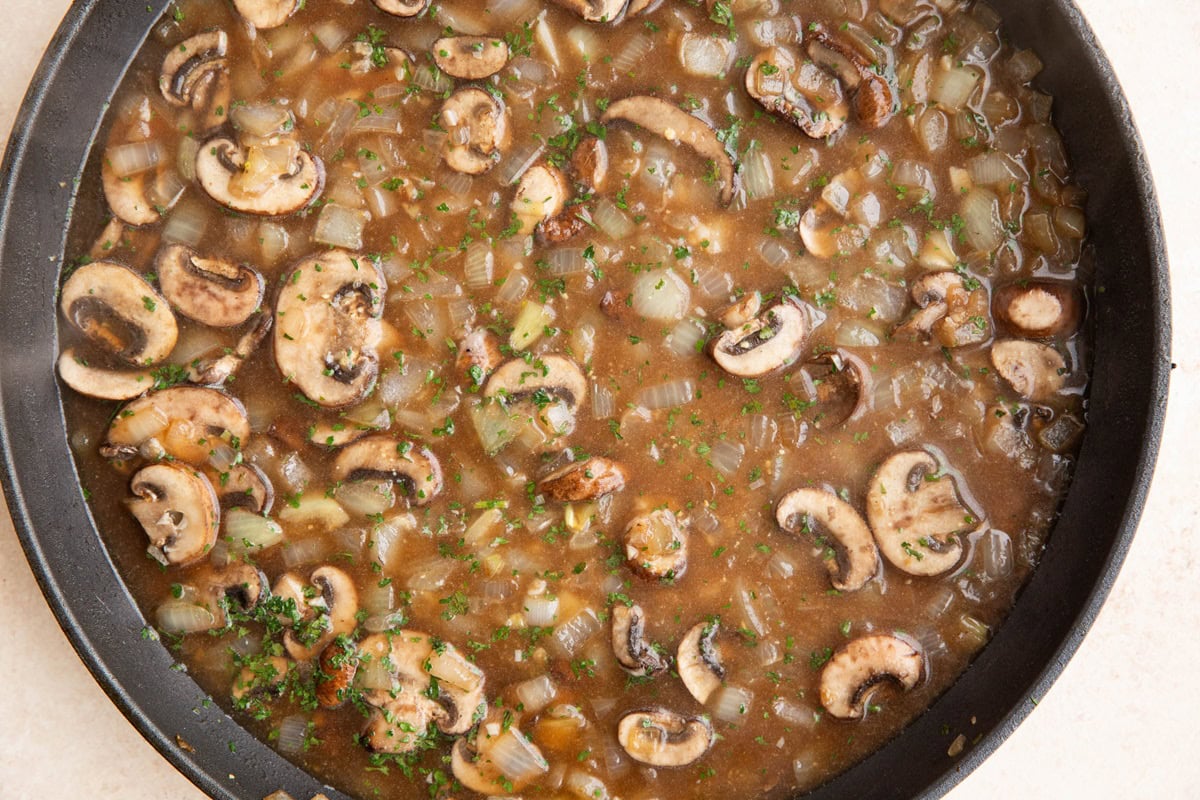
127	196
383	456
771	341
595	10
327	327
487	131
856	559
541	196
245	486
586	480
336	667
915	514
698	660
839	384
118	310
851	676
630	647
656	545
1039	309
875	100
238	586
336	600
266	14
517	380
801	92
183	419
190	64
209	290
178	509
676	125
218	364
105	384
471	58
220	159
1035	371
662	738
401	8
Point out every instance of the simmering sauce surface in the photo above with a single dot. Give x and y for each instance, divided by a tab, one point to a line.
667	403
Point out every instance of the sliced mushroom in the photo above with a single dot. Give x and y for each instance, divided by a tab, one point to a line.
245	486
267	14
954	313
209	290
178	509
838	386
140	199
477	124
217	366
772	341
875	100
479	354
852	675
191	64
105	384
238	587
633	652
488	762
565	227
916	515
471	58
1035	371
401	8
656	545
832	522
1039	309
334	435
336	669
119	311
541	196
663	738
586	480
801	92
265	677
589	163
698	660
183	422
743	311
675	125
282	186
595	10
551	376
327	327
381	456
326	614
826	233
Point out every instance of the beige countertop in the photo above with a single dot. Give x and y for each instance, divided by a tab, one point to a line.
1120	723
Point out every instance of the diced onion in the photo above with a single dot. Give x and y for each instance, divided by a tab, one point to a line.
774	253
732	704
374	674
535	693
633	54
338	226
952	87
750	604
997	555
981	217
187	224
426	576
541	610
660	295
1024	66
585	786
704	55
247	530
516	757
273	241
757	176
794	714
450	666
572	635
305	551
668	395
567	261
996	169
432	79
366	497
133	158
686	338
478	265
178	616
377	597
518	162
726	456
604	405
614	222
1070	221
530	324
387	121
292	732
514	288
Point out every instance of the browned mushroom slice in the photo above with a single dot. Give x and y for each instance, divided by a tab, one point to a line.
916	515
327	327
401	8
833	523
497	759
698	660
799	91
1039	309
209	290
675	125
381	456
335	673
217	366
875	100
140	199
656	545
477	124
589	163
595	10
105	384
120	312
633	652
269	180
471	58
854	673
329	611
771	341
663	738
595	477
541	196
551	376
1035	371
244	486
191	64
479	354
949	307
267	14
237	587
838	387
178	509
183	422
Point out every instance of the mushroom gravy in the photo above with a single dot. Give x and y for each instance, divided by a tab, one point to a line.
523	402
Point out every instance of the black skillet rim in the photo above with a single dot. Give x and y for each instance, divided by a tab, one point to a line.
83	65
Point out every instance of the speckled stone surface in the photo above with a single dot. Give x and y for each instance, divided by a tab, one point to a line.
1120	723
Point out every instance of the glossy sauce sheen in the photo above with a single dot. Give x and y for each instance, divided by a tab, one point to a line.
720	452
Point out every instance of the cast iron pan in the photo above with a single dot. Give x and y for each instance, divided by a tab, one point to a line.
1130	312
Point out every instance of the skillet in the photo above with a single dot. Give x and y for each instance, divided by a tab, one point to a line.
1130	315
